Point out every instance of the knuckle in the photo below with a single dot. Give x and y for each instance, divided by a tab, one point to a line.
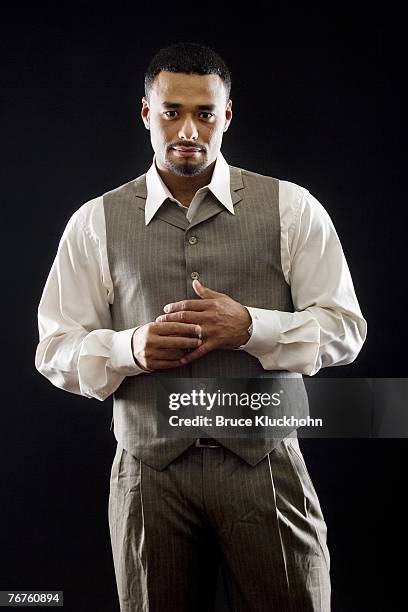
149	343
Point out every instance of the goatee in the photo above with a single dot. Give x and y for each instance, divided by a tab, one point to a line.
185	169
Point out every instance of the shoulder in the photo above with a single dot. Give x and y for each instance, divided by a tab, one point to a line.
294	199
256	181
136	186
290	193
300	211
90	216
297	202
256	176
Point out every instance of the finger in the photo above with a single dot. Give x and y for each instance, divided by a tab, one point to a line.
175	342
168	353
183	329
205	292
185	316
164	364
197	305
202	350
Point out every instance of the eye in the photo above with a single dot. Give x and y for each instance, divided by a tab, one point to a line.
206	117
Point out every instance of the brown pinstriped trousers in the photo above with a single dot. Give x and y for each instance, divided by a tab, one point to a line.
263	525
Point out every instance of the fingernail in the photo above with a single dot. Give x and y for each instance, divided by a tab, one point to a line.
198	331
166	308
199	341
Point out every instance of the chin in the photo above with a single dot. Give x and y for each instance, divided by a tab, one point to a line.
185	168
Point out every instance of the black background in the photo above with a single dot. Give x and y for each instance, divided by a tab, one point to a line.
315	104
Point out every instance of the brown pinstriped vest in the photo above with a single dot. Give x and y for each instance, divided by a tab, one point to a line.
151	266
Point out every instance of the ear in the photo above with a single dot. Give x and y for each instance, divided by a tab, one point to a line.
228	115
145	113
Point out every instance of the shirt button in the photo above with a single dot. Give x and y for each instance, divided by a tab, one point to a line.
192	240
195	275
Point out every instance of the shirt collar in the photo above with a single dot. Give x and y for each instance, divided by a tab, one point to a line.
158	192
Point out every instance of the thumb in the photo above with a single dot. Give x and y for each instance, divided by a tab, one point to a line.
204	292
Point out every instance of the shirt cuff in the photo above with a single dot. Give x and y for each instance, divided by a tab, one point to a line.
121	358
265	331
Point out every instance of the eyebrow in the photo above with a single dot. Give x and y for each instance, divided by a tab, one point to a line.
177	105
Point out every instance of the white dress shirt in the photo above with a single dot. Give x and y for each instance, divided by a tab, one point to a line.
79	351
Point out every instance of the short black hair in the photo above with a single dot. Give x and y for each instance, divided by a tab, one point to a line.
188	58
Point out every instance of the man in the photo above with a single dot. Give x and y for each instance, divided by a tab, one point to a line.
201	270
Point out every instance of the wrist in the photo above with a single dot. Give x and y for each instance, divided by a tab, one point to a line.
139	365
137	362
248	332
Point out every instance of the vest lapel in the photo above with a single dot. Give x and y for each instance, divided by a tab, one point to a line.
172	214
168	211
210	206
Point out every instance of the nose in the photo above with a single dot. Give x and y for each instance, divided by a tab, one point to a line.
188	130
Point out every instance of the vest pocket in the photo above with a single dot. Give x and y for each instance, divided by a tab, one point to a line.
293	444
126	471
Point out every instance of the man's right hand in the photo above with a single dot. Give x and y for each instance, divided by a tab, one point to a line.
159	346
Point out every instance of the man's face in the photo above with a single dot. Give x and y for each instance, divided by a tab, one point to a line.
187	115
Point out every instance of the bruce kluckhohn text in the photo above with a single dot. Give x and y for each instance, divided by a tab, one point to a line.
258	421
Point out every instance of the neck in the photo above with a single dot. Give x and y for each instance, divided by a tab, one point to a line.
183	188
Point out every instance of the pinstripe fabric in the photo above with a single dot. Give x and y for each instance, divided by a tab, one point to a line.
151	265
176	511
263	524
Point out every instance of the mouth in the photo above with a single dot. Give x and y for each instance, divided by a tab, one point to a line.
186	151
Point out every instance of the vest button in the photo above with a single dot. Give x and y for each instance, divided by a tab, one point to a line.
195	275
192	240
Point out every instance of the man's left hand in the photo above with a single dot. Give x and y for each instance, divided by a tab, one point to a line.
224	322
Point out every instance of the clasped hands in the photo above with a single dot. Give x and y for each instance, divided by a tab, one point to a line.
190	329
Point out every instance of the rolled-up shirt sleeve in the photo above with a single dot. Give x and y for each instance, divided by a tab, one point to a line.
327	327
78	350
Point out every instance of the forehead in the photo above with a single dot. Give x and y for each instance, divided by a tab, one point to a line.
188	88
